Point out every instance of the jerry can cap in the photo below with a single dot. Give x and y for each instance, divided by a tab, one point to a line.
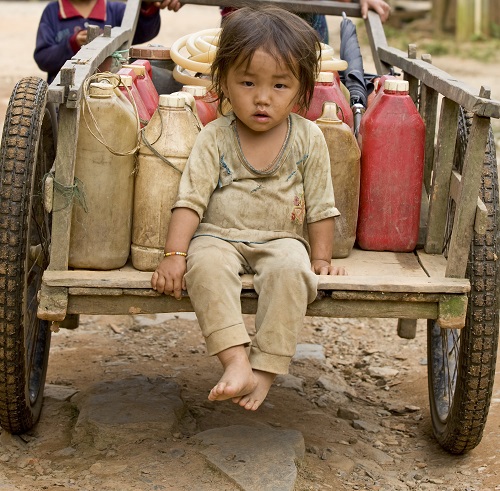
177	99
101	89
325	77
195	90
126	80
397	85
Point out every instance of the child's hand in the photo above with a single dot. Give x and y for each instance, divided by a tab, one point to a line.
380	6
81	37
169	276
320	266
174	5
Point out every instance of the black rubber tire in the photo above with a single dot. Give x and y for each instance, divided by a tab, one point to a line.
26	155
461	363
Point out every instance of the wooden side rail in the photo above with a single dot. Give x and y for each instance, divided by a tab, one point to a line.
86	61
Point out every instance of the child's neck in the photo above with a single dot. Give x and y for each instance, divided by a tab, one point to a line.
84	7
262	148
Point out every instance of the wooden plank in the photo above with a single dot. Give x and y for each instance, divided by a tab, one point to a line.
86	62
433	264
373	263
442	82
412	81
465	212
327	7
53	303
67	139
407	328
130	18
326	307
452	311
140	279
481	216
443	163
377	39
428	110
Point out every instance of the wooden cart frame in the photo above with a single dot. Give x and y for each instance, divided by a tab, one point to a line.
450	279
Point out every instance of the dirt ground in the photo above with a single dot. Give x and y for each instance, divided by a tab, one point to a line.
394	450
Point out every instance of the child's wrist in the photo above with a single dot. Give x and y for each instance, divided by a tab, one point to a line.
175	253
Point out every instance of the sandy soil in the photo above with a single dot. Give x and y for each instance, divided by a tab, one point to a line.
337	456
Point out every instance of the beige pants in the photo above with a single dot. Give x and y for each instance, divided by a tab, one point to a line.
285	285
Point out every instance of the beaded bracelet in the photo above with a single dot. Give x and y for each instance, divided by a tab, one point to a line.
175	253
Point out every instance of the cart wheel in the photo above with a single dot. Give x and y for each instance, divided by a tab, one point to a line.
461	368
26	155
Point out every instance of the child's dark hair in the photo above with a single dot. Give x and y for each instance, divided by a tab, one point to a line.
285	36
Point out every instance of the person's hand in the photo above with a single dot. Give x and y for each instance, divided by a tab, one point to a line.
169	276
380	6
81	37
174	5
320	266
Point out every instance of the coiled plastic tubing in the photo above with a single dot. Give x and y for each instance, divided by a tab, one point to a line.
194	53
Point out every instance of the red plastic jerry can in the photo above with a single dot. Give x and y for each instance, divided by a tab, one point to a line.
392	142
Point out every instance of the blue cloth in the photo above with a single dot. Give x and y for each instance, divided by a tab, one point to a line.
55	37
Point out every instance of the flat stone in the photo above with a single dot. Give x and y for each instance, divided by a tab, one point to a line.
290	382
124	411
59	392
149	320
307	351
382	372
255	458
341	463
334	382
346	413
359	424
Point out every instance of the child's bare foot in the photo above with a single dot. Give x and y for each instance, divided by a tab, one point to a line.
254	399
238	379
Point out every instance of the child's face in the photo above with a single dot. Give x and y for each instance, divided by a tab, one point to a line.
262	93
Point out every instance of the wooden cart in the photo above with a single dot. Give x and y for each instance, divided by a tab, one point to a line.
450	279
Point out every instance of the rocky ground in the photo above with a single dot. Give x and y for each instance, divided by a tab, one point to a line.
126	409
126	399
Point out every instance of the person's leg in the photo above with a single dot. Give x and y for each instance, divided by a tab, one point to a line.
285	285
214	286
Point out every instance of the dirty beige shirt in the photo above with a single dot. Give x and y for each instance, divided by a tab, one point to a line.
236	202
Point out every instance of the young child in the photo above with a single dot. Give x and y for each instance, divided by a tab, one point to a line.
63	27
255	178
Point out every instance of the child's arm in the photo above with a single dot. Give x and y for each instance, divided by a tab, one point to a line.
321	242
50	55
169	275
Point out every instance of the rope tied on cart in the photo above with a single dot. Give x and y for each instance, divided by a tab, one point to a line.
114	80
76	191
117	55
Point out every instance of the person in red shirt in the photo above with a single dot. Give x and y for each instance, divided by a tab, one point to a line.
63	27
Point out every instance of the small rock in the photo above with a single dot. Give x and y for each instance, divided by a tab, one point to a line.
309	352
412	409
345	413
359	424
382	372
290	382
